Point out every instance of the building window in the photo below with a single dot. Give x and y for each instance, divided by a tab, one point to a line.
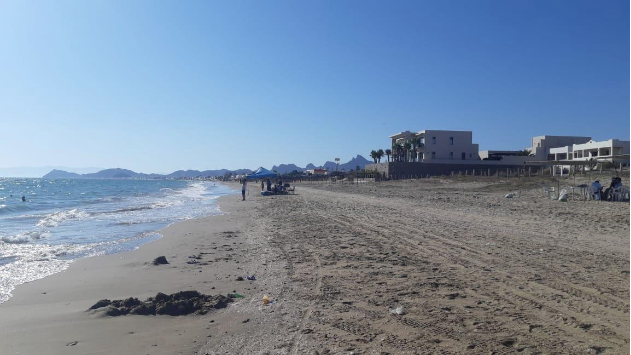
433	155
451	155
451	140
433	140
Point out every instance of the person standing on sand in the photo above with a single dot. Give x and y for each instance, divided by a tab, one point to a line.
262	185
244	186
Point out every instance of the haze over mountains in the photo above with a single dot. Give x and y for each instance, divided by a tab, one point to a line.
118	173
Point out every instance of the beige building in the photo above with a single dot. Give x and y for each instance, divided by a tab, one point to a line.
433	146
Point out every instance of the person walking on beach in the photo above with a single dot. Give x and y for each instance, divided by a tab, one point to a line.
262	185
244	186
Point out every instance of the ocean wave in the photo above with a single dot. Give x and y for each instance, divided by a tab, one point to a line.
164	204
131	209
25	237
53	220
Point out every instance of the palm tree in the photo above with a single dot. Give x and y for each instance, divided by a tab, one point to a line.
407	146
388	154
400	152
373	155
380	154
417	145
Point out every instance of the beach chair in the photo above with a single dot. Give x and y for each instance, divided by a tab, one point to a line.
290	189
618	194
592	194
549	191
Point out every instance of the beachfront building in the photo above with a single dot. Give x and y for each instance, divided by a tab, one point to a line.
611	150
541	145
316	171
433	146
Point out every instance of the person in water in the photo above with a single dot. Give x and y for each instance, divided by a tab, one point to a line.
23	198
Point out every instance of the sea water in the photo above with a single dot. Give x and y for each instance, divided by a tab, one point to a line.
66	219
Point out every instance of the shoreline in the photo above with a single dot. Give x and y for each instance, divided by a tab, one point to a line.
50	315
470	270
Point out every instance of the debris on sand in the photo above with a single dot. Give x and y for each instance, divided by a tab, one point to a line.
177	304
160	260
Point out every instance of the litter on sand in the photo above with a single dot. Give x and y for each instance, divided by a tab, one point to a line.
563	195
398	311
266	300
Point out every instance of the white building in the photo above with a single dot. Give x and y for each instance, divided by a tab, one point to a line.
316	171
592	150
434	145
541	145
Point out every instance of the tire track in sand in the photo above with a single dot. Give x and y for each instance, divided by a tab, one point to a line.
295	344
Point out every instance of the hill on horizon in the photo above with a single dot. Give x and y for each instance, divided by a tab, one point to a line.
119	173
329	165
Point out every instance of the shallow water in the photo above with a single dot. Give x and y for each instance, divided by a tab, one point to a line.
66	219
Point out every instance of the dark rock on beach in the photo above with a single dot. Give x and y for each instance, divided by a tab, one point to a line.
101	303
177	304
160	260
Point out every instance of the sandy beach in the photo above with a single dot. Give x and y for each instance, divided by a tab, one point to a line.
403	267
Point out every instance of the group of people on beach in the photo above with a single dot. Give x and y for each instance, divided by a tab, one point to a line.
599	194
276	188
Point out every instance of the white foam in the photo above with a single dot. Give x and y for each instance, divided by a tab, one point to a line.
25	237
53	220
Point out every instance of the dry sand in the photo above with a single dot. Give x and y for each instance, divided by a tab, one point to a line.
473	271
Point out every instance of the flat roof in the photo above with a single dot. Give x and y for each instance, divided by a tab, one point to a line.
400	134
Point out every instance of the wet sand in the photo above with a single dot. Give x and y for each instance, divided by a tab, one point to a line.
472	271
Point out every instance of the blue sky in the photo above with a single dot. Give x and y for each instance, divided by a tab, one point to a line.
156	86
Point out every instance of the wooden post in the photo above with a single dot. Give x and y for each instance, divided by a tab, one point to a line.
529	171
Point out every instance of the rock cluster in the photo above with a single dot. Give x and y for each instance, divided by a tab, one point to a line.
177	304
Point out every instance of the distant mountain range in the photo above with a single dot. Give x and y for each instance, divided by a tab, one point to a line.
127	174
119	173
41	170
329	165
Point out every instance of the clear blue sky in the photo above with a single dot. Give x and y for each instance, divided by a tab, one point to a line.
156	86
